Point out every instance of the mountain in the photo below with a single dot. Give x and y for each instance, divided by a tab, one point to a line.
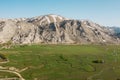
115	30
54	29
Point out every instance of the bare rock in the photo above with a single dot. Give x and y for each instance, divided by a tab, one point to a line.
54	29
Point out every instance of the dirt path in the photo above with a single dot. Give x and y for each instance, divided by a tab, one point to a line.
16	73
11	71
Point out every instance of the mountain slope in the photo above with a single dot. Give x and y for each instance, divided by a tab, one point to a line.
53	29
115	30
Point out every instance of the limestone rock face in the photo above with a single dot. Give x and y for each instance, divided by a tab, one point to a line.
54	29
7	30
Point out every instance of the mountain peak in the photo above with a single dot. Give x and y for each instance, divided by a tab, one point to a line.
47	19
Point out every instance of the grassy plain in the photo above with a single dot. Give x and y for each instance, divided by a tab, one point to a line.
65	62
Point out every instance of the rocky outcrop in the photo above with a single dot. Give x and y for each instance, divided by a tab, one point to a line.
54	29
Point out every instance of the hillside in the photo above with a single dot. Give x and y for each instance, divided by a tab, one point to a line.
54	29
116	31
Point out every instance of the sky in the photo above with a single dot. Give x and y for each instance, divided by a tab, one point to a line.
103	12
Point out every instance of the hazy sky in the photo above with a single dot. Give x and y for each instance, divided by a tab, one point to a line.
104	12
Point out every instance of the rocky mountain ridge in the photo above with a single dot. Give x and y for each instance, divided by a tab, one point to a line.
54	29
115	30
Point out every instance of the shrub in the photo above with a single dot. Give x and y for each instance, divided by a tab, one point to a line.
2	57
98	61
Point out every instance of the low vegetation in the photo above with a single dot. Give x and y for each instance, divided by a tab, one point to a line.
2	57
65	62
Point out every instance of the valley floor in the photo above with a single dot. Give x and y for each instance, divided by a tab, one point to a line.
63	62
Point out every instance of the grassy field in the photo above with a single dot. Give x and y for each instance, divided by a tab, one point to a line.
65	62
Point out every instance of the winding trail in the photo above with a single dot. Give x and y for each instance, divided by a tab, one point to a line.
18	74
12	71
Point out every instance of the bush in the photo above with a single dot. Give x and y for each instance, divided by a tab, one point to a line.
62	58
2	57
98	61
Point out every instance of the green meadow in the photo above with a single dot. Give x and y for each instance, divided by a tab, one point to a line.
64	62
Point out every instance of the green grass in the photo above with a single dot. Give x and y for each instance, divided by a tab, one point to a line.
4	74
65	62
